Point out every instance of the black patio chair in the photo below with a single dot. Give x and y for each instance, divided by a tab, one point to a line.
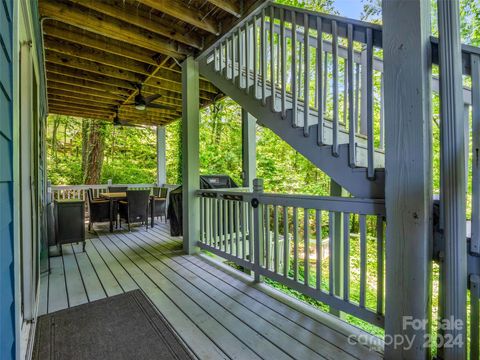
158	202
117	189
135	209
99	210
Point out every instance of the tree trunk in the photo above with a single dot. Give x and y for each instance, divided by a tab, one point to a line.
56	124
85	127
96	144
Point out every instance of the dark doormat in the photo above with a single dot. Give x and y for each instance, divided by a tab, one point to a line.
125	326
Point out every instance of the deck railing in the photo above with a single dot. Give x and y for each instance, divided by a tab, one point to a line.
320	246
80	191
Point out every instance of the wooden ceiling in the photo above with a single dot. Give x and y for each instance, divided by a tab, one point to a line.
97	52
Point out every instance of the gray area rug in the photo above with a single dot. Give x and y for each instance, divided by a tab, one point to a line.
125	326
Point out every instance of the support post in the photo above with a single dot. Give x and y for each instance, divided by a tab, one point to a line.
452	183
249	148
161	156
338	245
190	154
408	166
258	231
363	91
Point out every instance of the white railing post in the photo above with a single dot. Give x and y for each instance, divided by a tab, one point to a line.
452	183
408	164
258	244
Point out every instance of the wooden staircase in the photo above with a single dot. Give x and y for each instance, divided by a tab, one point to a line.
259	52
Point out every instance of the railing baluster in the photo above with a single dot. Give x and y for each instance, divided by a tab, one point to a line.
318	248
319	81
295	243
272	57
233	50
240	57
306	245
306	76
294	70
255	56
267	236
275	239
250	233
382	114
370	138
237	217
242	230
247	58
357	96
215	223
346	256
283	52
202	219
351	118
345	91
263	58
335	88
286	244
363	259
325	81
475	242
227	58
379	265
208	203
231	230
331	250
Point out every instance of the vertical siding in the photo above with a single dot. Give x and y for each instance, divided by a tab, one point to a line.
7	311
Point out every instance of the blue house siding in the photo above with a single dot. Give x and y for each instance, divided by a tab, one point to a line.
7	303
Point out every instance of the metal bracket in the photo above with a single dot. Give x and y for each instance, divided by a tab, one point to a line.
255	203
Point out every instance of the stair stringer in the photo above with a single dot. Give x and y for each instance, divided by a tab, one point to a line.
354	180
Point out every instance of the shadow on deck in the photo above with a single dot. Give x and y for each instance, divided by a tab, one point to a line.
218	312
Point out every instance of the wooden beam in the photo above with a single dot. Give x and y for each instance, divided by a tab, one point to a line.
149	111
145	20
105	114
109	71
75	89
72	34
76	114
110	27
79	107
230	6
101	57
92	54
81	97
88	79
87	65
182	11
87	102
75	35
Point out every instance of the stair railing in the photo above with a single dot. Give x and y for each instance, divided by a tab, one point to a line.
320	64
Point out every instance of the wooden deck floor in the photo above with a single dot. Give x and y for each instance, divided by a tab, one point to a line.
219	314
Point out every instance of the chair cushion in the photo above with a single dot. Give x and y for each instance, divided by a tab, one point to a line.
123	202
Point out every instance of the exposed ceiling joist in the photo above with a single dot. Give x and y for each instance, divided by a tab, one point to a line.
230	6
78	36
110	27
134	16
181	10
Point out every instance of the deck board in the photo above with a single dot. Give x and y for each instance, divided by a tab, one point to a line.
218	314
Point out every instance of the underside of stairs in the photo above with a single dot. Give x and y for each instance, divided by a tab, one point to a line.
291	129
